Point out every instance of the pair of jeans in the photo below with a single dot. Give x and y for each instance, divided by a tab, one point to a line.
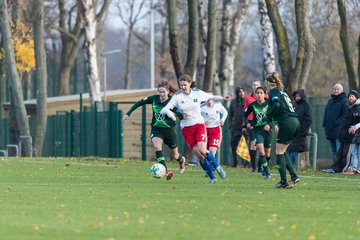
293	157
334	145
355	157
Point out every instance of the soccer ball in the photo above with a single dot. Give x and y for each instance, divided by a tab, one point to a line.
158	170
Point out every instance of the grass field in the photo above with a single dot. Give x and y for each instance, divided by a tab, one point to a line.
118	199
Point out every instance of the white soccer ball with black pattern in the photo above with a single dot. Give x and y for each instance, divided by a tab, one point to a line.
158	170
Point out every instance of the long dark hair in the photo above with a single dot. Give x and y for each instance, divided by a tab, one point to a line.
187	78
167	86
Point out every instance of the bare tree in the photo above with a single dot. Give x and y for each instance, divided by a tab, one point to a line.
130	14
267	40
230	36
88	9
193	44
294	75
210	47
345	45
40	75
15	83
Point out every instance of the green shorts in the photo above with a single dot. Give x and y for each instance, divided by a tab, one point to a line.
288	130
168	135
262	136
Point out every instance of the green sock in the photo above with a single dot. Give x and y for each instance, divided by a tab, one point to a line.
281	166
160	158
289	165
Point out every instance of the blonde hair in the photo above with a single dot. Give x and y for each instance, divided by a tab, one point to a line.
274	79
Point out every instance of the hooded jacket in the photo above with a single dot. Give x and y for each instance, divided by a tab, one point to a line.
352	117
304	113
236	111
334	115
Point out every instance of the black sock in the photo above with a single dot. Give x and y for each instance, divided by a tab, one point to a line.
281	166
253	159
179	159
289	166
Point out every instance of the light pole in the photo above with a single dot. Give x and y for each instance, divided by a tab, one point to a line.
104	56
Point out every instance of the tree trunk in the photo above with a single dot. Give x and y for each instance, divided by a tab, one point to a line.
210	47
201	60
128	60
281	40
66	63
90	45
306	46
173	38
3	87
193	44
15	83
345	45
230	37
267	40
40	75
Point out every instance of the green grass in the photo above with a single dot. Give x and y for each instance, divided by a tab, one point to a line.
118	199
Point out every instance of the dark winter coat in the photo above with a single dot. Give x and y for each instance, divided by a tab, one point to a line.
304	112
352	117
334	115
236	111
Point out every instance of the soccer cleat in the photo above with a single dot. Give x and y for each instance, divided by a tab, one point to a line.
221	172
182	165
284	184
268	177
295	179
168	175
212	181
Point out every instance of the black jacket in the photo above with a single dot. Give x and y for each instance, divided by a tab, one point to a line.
334	115
236	111
352	117
304	113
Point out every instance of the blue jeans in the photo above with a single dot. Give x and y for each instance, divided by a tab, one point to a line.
355	156
293	157
334	145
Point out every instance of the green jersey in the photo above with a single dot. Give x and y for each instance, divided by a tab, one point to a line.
280	106
158	120
259	111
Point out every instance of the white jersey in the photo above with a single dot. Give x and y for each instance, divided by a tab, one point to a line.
213	114
189	105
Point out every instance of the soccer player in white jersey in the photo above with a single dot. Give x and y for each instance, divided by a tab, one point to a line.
188	101
214	115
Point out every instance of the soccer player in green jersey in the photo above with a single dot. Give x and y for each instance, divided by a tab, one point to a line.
261	127
282	111
162	127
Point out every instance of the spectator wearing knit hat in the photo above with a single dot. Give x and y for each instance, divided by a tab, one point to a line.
333	117
351	118
353	166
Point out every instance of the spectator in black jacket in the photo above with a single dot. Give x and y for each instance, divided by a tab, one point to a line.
235	113
304	112
351	118
333	117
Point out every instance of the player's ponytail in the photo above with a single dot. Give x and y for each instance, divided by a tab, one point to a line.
274	79
165	84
